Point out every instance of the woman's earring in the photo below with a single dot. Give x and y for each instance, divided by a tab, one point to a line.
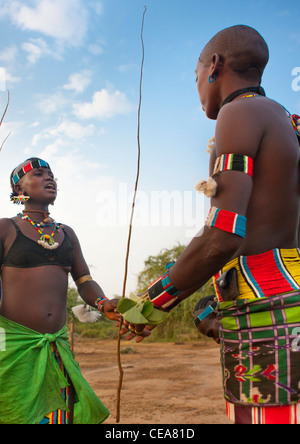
212	79
20	199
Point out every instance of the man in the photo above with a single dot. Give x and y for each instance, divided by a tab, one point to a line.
251	232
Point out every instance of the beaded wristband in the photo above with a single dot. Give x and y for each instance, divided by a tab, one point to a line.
99	303
227	221
163	294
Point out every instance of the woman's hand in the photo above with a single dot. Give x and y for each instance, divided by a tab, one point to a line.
110	309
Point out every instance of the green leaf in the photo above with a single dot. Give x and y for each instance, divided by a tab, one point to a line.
157	317
136	311
134	316
147	309
125	305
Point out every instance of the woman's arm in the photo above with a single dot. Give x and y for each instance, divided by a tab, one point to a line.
90	291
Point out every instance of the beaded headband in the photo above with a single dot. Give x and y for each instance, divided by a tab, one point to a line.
34	164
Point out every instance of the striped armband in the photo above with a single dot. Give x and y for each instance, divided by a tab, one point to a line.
227	221
163	294
99	303
234	162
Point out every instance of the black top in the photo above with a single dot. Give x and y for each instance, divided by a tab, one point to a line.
27	253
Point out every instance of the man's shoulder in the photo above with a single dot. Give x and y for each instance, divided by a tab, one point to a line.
240	128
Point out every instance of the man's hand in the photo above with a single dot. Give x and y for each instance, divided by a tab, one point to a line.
138	331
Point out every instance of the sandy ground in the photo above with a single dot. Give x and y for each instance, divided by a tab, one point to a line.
163	383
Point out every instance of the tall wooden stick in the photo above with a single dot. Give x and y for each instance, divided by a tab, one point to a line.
121	376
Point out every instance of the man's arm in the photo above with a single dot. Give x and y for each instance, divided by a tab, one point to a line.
237	132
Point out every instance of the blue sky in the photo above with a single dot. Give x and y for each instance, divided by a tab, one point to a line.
72	67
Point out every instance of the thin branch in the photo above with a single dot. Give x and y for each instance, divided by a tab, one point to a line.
131	222
4	141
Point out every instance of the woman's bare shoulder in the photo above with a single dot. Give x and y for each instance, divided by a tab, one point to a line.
5	227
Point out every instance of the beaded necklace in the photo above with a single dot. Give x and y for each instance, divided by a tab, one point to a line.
46	240
258	90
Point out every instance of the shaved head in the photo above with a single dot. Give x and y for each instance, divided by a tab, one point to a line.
242	48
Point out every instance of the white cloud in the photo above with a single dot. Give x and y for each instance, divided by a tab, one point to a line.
9	54
104	105
49	104
64	20
7	79
79	81
96	49
66	129
34	125
37	48
72	130
52	149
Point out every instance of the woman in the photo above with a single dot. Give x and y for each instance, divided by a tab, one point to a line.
37	254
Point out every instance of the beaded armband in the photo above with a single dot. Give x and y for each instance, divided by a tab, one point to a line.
227	221
234	162
226	162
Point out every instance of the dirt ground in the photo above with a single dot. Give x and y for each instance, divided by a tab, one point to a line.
163	383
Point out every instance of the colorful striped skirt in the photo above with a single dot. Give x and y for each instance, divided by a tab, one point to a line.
260	355
286	415
60	416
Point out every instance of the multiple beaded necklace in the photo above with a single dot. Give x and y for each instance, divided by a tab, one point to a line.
46	240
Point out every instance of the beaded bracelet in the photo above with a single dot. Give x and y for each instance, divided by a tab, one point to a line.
99	303
163	293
